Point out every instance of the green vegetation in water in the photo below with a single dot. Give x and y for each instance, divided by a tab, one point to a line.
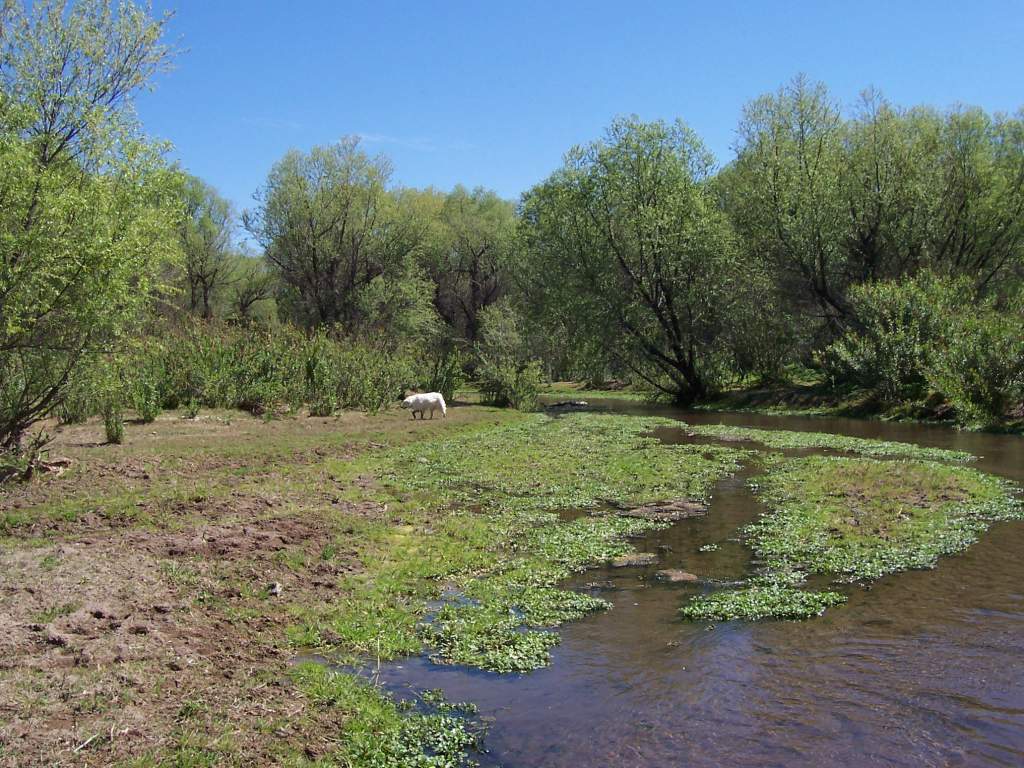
390	734
765	599
855	519
785	439
482	527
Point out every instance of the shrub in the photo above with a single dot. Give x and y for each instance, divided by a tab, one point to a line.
322	382
445	374
507	383
146	394
979	363
113	423
80	397
896	324
505	373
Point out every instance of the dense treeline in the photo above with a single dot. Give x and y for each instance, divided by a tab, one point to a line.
879	247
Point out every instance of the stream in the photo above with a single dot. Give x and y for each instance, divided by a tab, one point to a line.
925	668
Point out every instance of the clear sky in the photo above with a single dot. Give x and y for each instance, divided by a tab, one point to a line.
492	94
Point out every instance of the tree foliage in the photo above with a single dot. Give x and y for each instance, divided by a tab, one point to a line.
207	231
469	256
87	203
832	203
633	252
330	226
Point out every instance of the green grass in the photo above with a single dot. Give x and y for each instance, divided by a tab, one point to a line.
478	515
383	733
784	439
855	519
572	390
862	519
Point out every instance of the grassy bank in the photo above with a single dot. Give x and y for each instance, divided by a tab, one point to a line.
854	519
158	589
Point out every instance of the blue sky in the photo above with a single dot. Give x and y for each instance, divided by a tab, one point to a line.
493	94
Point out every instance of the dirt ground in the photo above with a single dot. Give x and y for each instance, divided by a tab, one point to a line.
144	594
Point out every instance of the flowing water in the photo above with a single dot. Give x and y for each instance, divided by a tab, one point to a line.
925	668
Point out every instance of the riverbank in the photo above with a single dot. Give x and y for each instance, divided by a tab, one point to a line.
158	590
157	593
820	399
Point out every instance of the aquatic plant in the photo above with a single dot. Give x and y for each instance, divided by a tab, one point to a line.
854	519
786	439
762	600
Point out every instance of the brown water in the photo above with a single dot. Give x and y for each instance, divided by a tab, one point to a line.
924	669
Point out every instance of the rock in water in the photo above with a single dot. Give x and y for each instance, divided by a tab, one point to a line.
635	560
667	511
676	576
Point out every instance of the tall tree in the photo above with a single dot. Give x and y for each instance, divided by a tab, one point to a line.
206	239
831	203
470	255
635	253
87	203
785	191
253	283
329	226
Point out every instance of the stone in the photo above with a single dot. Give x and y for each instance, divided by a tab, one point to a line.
667	511
676	576
635	560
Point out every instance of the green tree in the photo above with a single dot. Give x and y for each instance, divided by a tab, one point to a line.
830	203
635	254
88	205
252	284
784	193
329	227
469	256
207	232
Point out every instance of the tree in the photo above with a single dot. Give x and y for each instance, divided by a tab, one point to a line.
469	257
253	283
635	254
206	241
329	226
87	203
830	203
784	193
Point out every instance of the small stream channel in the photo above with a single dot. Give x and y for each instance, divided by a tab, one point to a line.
926	668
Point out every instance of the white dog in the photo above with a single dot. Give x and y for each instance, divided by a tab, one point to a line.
428	401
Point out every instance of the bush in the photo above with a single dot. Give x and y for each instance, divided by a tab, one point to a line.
505	373
80	397
322	381
262	370
896	325
979	364
446	374
507	383
146	395
113	423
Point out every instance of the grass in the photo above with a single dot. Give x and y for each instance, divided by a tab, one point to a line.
580	391
480	519
855	519
763	600
785	439
428	732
